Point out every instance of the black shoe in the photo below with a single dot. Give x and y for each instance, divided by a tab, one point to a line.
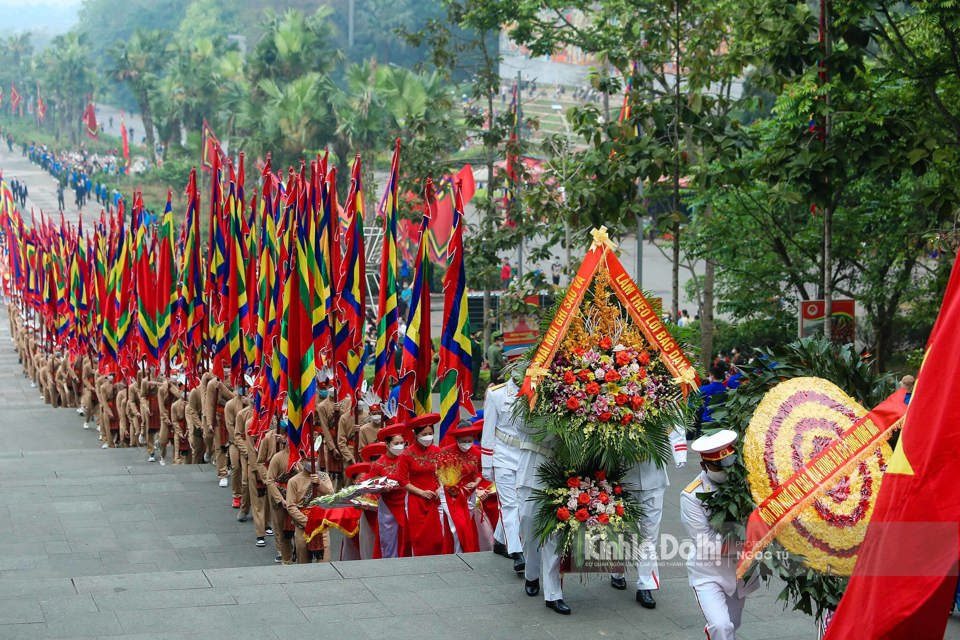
500	549
559	606
645	598
518	562
618	583
532	587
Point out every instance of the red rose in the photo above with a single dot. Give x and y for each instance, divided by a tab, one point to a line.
619	509
642	373
626	419
572	403
636	401
606	342
563	514
600	475
603	518
581	515
569	378
592	388
584	499
612	376
621	399
573	482
644	358
605	416
618	489
623	357
603	498
583	375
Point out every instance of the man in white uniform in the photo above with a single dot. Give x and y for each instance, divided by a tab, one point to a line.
648	483
543	561
711	572
499	459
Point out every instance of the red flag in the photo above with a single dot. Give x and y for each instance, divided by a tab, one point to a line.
15	98
41	105
209	147
126	143
90	120
906	574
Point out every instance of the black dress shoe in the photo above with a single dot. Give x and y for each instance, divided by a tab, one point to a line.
559	606
500	549
518	562
532	587
618	583
645	598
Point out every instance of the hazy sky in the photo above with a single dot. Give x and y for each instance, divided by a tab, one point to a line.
39	16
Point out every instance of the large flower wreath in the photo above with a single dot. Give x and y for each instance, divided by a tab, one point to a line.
806	588
605	402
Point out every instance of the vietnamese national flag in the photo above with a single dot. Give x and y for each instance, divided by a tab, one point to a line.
906	574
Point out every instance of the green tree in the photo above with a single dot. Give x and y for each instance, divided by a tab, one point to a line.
138	63
68	81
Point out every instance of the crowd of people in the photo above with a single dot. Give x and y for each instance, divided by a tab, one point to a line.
452	496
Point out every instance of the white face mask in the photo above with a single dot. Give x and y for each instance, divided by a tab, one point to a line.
465	446
426	441
396	449
718	477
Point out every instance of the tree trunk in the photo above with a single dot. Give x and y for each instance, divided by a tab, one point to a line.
147	117
706	312
675	270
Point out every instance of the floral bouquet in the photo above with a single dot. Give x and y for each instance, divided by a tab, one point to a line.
450	473
354	495
607	395
590	513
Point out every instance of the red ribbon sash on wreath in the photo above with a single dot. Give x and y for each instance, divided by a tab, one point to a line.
630	296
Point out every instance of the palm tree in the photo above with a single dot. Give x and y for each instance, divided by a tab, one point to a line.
68	80
138	63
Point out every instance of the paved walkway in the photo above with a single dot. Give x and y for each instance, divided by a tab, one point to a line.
102	544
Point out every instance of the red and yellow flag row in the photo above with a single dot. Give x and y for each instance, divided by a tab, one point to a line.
273	300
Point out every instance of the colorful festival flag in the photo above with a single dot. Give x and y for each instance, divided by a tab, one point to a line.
455	370
351	303
385	368
414	398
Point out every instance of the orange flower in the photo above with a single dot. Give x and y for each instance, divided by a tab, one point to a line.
584	499
644	358
618	490
583	375
605	416
642	373
592	388
603	497
573	482
612	376
623	357
603	518
606	342
621	399
626	419
619	509
636	402
563	514
582	515
569	378
600	475
572	403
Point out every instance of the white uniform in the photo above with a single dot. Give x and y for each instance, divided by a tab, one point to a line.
648	483
712	574
500	457
543	562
